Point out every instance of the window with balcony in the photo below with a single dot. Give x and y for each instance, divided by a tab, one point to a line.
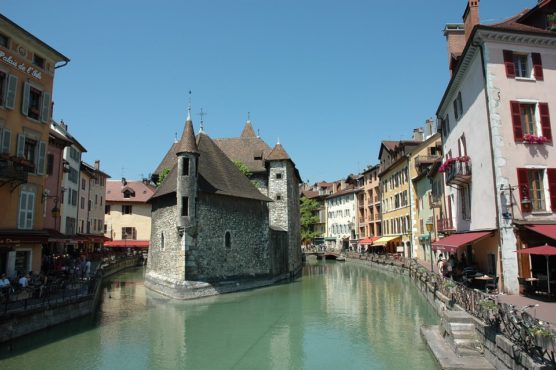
531	122
129	233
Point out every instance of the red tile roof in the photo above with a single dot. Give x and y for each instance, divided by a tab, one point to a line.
114	191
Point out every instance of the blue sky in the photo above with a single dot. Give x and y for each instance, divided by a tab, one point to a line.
329	79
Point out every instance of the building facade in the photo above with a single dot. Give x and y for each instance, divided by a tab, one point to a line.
27	69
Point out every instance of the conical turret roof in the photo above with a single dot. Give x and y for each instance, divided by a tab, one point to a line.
248	130
187	143
278	154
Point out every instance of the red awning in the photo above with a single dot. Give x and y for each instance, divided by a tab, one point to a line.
545	250
546	230
368	240
127	244
451	243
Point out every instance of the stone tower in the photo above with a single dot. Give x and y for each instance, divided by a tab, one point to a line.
186	193
283	183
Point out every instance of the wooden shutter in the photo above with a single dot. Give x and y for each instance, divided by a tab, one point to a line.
516	120
25	101
12	88
509	63
22	210
523	186
545	121
42	154
20	150
30	210
5	143
537	66
45	108
551	174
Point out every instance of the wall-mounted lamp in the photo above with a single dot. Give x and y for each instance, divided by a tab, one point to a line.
524	194
55	211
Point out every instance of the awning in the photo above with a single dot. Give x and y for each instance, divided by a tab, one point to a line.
329	239
15	237
451	243
546	230
370	240
386	239
55	236
127	244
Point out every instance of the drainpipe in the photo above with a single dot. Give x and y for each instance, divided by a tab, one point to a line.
481	50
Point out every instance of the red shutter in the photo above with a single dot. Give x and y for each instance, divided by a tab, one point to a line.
551	174
516	120
537	66
523	186
545	121
509	63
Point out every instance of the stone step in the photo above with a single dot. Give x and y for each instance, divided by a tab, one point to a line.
457	317
458	326
464	336
447	358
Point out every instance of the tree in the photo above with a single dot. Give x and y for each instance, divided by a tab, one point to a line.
243	168
309	217
162	176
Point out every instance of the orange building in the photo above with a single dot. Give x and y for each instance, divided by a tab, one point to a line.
27	67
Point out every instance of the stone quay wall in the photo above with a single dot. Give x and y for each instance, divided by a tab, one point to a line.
497	349
22	322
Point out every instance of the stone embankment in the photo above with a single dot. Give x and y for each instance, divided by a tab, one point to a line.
26	316
472	327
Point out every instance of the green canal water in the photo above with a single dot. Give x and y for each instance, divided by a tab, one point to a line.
337	316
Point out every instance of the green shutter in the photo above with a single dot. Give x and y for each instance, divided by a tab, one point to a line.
25	101
41	157
45	109
5	143
22	210
12	88
20	151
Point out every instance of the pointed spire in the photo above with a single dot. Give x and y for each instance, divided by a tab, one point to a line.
202	114
248	129
187	143
278	154
189	108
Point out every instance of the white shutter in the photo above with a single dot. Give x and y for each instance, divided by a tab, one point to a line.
20	151
12	88
22	210
45	109
25	101
5	143
42	154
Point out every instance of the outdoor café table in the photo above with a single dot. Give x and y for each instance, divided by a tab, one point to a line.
484	279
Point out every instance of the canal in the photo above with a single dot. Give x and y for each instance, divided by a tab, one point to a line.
339	315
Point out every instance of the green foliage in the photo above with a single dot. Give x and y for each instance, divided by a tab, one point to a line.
488	304
551	17
243	168
542	331
309	217
162	176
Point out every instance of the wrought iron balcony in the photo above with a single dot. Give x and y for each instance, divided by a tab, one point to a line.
458	172
14	171
444	225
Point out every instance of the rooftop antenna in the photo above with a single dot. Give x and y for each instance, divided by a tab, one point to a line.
202	114
278	142
175	137
258	133
248	116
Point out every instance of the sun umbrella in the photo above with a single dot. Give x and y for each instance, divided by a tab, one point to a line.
545	250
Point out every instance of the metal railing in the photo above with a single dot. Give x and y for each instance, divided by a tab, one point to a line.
532	336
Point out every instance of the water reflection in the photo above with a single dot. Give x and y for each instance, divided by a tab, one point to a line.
336	316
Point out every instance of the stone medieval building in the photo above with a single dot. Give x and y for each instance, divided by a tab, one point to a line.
214	230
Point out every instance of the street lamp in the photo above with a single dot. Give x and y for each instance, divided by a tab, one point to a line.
429	225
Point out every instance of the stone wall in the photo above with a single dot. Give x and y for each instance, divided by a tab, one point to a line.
278	188
294	221
279	246
167	260
247	222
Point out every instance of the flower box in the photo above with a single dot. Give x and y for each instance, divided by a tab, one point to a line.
533	139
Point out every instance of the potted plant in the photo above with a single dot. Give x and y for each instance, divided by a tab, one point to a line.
551	21
543	334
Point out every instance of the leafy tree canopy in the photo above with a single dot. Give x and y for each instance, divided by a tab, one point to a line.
309	217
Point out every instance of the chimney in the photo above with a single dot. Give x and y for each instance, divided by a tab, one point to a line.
418	134
470	17
455	38
97	165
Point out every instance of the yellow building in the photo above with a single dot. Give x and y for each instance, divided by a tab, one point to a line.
395	196
128	214
423	207
27	68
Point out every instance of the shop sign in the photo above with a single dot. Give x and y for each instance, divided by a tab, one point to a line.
33	72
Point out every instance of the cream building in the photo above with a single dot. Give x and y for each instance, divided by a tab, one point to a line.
128	213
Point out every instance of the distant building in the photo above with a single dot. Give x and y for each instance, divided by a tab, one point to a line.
371	229
213	229
341	210
127	214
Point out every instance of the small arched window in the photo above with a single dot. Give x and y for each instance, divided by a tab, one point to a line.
228	240
161	241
